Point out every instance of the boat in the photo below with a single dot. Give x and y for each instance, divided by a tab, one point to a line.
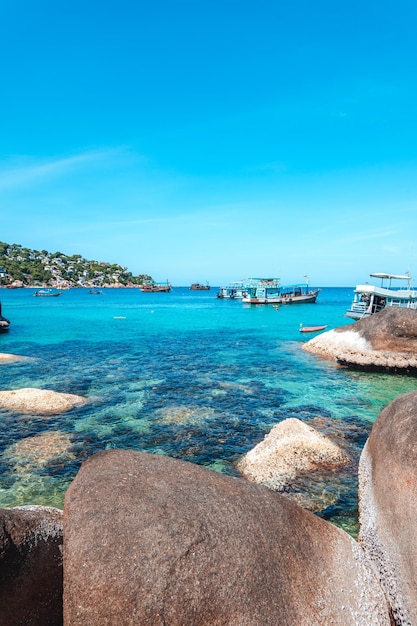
199	287
47	293
293	294
270	291
312	329
95	292
4	323
233	291
262	291
369	299
153	287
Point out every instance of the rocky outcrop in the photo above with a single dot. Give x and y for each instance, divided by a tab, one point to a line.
31	566
387	504
384	341
289	448
39	401
153	540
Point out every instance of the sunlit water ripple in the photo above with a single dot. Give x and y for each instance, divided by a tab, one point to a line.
182	374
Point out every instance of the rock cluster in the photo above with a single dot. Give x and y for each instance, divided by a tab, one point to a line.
152	540
384	341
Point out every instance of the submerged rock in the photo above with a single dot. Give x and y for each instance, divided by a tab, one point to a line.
6	358
31	566
153	540
291	450
383	341
37	451
388	504
39	401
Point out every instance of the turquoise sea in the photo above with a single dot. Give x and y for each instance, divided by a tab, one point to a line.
183	374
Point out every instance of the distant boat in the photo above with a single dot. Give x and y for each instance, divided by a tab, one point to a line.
369	299
233	291
152	287
45	293
311	329
95	292
199	287
4	323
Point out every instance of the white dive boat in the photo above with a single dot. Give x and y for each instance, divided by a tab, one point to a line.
270	291
262	291
369	299
234	291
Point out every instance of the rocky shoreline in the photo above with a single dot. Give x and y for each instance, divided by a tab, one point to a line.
147	539
385	341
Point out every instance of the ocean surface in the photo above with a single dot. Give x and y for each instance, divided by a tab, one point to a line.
183	374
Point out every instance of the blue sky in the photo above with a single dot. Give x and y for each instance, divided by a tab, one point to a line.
213	141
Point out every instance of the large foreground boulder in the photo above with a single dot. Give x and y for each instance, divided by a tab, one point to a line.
388	504
151	540
31	566
383	341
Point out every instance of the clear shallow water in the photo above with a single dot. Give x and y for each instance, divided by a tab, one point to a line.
183	374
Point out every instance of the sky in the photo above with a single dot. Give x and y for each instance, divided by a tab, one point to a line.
213	141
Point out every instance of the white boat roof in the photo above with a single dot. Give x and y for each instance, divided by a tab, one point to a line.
396	276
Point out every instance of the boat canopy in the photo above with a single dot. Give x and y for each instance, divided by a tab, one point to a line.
265	279
294	285
395	276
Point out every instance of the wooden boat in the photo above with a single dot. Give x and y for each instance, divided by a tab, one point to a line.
47	293
369	299
152	287
199	287
297	294
4	323
311	329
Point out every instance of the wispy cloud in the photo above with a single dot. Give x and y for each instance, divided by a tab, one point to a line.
23	171
370	236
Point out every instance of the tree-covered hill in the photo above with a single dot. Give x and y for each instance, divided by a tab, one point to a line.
25	266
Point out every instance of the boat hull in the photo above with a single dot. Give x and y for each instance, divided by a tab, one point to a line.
312	329
303	299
